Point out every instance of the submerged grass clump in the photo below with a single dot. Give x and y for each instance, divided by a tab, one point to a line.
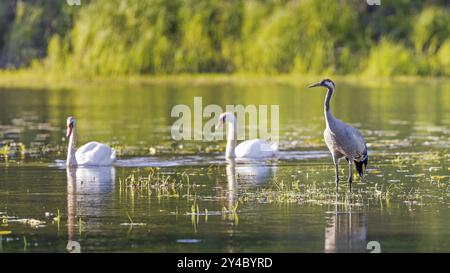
414	179
325	194
416	158
160	184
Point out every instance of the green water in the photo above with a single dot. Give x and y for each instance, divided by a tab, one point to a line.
283	205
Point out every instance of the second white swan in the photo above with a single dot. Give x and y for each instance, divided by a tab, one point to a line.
90	154
254	148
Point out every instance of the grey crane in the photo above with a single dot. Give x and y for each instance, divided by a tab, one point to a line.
343	140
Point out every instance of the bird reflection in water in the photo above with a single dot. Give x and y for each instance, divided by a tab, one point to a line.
86	189
346	229
239	176
231	180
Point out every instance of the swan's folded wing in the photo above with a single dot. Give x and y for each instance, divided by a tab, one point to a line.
95	153
255	148
88	147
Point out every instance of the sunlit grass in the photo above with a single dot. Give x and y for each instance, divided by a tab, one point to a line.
157	183
292	191
29	79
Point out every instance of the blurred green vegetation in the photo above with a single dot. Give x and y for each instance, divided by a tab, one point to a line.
123	37
26	26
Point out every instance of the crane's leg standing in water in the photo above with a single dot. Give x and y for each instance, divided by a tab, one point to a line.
350	173
336	167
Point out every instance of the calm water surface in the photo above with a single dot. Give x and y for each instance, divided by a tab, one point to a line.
281	205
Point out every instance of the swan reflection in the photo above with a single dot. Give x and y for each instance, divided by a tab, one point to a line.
86	191
247	174
253	172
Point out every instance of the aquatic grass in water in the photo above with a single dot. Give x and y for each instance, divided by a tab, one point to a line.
160	184
131	223
324	194
310	189
295	191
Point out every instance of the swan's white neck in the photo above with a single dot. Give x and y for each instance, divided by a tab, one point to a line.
71	159
231	139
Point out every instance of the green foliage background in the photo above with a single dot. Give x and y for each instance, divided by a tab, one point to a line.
122	37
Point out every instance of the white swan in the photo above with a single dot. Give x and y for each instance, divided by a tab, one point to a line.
254	148
90	154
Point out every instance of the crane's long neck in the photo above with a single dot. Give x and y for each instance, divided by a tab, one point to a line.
231	139
71	159
328	116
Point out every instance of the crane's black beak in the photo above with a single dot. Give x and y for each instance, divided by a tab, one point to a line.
315	85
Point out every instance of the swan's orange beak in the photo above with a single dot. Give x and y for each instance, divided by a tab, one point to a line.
69	131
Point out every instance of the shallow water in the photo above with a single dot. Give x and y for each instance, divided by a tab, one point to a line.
284	204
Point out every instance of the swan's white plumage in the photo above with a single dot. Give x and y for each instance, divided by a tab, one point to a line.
95	154
91	154
255	148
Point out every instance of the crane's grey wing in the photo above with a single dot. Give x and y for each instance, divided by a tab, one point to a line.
360	145
361	157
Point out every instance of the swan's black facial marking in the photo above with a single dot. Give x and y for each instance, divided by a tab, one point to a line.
224	118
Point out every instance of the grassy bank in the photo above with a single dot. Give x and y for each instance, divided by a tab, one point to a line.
29	79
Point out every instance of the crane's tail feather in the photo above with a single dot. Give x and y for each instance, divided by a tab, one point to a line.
359	168
359	165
